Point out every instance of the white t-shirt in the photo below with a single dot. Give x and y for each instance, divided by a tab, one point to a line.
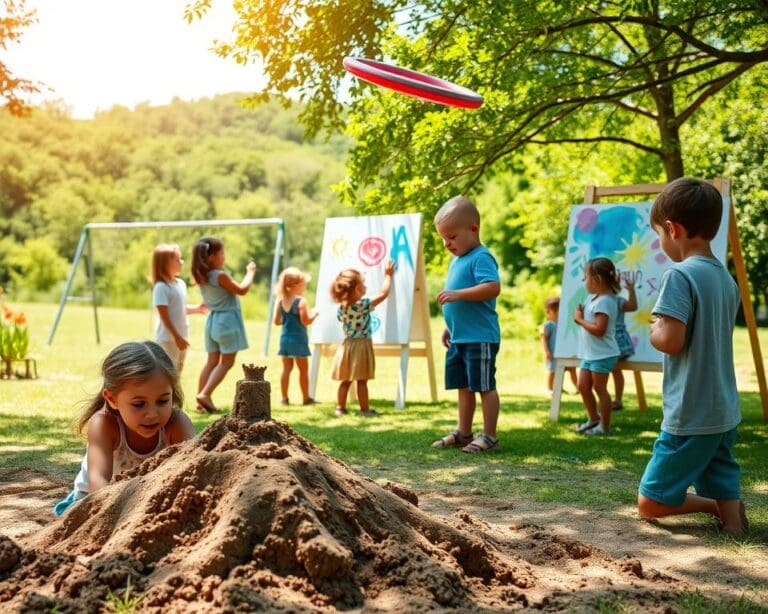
173	296
592	347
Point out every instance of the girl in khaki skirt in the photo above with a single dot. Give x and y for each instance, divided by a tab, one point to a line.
354	360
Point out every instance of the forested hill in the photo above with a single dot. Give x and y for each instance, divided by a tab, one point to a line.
206	159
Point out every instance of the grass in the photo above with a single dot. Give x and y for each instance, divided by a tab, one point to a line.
538	459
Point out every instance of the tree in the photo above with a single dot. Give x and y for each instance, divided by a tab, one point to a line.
631	72
14	90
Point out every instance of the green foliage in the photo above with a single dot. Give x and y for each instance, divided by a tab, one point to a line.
125	604
14	334
211	159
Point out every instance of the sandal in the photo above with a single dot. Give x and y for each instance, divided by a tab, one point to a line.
585	426
452	439
311	401
481	443
340	411
617	407
371	413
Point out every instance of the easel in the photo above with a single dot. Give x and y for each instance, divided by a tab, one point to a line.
420	334
592	196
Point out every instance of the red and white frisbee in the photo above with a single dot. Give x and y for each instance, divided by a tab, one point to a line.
412	83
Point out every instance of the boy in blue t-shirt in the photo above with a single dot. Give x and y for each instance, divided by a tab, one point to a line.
693	326
472	333
548	335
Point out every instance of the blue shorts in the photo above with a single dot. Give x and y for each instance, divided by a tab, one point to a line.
225	332
706	461
601	365
471	365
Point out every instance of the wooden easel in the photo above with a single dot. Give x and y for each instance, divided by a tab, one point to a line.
420	335
592	196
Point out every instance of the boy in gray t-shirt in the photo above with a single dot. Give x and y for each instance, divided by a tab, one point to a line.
695	315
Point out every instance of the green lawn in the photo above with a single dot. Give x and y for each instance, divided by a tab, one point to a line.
538	459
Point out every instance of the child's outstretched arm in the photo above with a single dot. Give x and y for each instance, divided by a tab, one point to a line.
389	270
667	334
631	303
201	309
480	292
305	315
230	285
103	433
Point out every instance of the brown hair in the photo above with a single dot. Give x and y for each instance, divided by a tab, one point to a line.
133	362
458	209
693	203
288	279
552	303
201	254
161	261
345	284
605	271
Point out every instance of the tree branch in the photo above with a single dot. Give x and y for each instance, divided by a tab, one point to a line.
714	86
599	139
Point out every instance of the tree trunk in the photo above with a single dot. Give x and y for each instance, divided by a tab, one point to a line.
669	133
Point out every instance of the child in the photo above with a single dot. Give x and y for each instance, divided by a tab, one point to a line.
623	340
224	328
293	314
548	336
693	327
472	333
598	349
136	414
354	359
169	298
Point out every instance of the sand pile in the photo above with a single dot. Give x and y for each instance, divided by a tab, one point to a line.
252	517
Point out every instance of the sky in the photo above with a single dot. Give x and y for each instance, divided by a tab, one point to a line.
94	54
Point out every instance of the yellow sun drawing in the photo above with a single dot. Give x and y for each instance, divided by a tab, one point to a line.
639	322
632	256
340	247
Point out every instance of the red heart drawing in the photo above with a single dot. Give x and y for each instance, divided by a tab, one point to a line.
372	251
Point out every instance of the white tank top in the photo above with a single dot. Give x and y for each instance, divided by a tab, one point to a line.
123	457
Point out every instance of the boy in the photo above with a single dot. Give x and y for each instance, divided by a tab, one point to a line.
548	335
693	326
472	333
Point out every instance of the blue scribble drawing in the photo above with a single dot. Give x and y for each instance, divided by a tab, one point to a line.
609	231
375	323
400	245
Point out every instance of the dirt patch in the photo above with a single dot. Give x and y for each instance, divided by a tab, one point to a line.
251	517
26	500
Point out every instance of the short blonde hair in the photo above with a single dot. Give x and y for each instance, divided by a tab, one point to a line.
288	279
458	209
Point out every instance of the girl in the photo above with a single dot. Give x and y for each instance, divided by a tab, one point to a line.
224	328
598	349
292	313
354	360
169	298
136	414
624	341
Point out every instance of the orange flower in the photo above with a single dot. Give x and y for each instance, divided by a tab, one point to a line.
7	313
19	318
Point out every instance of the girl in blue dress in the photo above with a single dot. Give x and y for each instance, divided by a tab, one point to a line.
293	314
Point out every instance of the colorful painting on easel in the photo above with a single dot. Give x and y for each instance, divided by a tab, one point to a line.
621	232
365	244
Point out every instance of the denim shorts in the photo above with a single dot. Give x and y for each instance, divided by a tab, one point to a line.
471	365
601	365
225	332
706	461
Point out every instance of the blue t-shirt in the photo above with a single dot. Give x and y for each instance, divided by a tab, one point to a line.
699	395
592	347
216	297
550	332
472	321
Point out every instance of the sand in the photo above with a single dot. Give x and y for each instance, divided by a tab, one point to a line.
252	517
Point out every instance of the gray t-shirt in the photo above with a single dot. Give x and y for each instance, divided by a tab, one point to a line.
699	389
592	347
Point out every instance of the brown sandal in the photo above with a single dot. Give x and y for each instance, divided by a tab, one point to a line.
452	440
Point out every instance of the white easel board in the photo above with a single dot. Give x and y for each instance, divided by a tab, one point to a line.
365	243
623	233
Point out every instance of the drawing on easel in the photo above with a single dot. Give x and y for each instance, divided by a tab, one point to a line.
621	232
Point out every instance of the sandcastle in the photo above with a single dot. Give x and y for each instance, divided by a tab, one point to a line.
252	395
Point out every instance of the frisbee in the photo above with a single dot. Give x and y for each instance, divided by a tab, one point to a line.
412	83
